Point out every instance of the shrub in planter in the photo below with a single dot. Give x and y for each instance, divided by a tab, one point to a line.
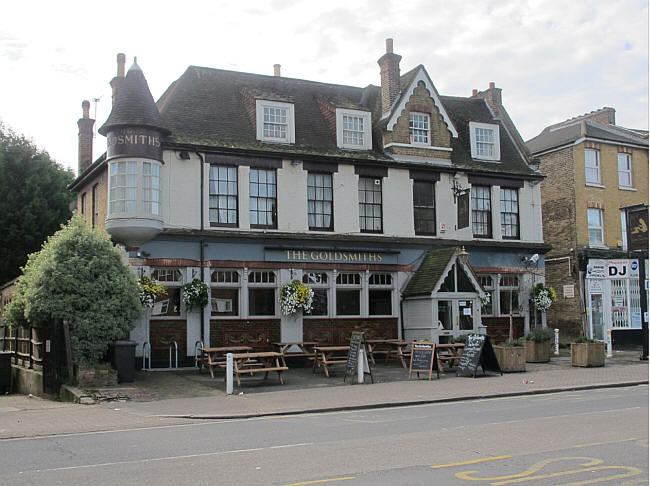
586	352
538	345
511	356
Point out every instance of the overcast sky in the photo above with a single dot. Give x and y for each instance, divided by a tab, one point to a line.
554	59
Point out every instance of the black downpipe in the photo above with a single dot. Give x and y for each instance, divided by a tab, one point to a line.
201	241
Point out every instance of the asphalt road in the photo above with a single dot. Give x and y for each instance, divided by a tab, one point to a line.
573	438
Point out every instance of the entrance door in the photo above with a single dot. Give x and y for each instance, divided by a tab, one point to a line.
465	315
445	315
596	311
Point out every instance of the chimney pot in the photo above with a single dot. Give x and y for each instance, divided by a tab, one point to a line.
474	92
492	85
85	107
389	46
121	60
276	70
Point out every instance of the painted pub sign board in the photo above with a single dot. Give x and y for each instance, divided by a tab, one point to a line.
424	358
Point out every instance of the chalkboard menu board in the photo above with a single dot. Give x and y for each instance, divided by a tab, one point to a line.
477	351
423	358
357	342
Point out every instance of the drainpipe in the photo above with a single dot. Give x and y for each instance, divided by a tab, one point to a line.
201	241
401	314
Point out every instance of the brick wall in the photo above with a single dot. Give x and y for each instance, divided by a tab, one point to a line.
102	199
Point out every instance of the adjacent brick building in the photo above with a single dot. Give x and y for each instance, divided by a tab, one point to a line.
594	170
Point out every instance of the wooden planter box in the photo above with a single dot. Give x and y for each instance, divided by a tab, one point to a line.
588	354
511	358
538	351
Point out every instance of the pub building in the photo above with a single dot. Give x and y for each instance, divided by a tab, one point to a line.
410	214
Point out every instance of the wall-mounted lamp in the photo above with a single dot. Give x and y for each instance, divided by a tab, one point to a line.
184	155
142	254
463	256
456	188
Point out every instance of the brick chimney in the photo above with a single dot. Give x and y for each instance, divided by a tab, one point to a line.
604	116
117	80
85	125
389	71
276	70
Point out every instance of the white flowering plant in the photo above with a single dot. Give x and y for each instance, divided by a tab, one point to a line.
294	297
543	297
195	294
485	300
150	291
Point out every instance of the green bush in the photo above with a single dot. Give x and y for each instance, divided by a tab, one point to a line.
462	338
540	335
512	344
80	276
584	339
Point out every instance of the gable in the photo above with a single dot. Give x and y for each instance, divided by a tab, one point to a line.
420	77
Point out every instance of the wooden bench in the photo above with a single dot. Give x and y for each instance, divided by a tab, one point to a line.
263	362
306	349
326	356
212	358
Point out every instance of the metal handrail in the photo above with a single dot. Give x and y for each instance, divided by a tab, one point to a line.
146	347
175	345
197	346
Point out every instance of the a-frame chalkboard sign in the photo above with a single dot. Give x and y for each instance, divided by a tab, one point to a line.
477	351
357	342
424	358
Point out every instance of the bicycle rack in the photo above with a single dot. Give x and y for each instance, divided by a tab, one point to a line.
146	353
173	344
197	346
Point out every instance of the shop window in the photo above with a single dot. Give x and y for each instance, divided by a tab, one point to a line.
487	282
380	294
170	304
224	294
348	294
261	293
318	282
167	275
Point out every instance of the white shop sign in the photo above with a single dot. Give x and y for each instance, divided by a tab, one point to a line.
597	268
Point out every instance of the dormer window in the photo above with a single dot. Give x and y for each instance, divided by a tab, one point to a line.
419	128
275	121
353	129
485	141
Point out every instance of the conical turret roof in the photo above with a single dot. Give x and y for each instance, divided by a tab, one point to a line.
134	105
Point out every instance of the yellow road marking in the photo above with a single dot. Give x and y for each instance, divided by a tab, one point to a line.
475	461
632	471
532	470
319	481
593	444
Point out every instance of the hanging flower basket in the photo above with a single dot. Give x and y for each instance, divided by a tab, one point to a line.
485	300
195	294
150	291
294	297
543	297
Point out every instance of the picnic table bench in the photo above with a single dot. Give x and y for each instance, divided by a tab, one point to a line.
449	353
262	362
326	356
216	357
296	349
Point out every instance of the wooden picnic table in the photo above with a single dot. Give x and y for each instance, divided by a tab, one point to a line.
327	356
306	348
449	353
399	349
260	362
216	357
378	346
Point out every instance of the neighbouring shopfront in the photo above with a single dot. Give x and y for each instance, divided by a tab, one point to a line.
612	296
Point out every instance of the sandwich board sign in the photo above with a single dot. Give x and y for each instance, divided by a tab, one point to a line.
424	358
357	342
477	351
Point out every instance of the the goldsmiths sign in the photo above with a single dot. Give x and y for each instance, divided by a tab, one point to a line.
133	142
333	256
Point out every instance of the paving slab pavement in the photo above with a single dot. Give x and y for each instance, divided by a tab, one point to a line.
172	398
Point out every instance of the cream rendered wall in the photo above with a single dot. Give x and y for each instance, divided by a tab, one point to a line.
180	191
397	197
346	200
530	212
447	209
292	197
244	218
418	318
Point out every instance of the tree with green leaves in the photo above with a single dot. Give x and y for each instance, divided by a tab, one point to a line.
35	200
78	275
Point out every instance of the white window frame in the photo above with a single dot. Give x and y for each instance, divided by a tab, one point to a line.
381	286
177	284
258	285
417	117
627	172
151	189
595	168
496	156
367	134
348	286
125	193
596	228
624	230
259	115
313	280
226	285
